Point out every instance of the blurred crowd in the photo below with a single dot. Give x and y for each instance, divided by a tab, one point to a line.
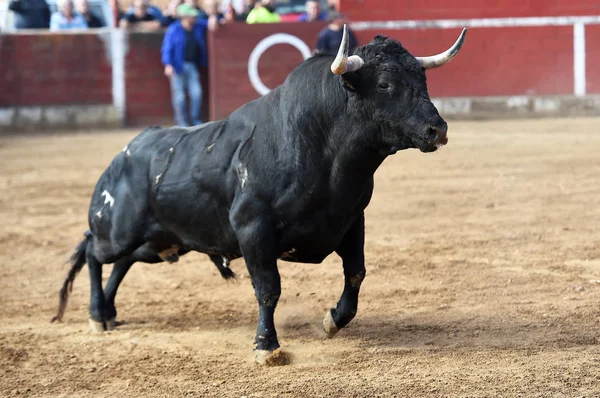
142	14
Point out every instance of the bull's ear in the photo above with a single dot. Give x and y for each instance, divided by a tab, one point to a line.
350	81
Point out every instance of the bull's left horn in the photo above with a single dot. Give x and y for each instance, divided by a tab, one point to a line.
435	61
342	63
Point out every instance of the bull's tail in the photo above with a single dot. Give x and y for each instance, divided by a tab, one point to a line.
78	260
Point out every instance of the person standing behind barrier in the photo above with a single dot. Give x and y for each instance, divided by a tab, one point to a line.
83	8
330	38
211	7
333	6
65	18
263	12
183	50
141	17
313	12
150	9
30	14
170	13
241	17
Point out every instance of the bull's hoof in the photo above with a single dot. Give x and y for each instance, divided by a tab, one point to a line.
110	324
102	326
272	358
329	327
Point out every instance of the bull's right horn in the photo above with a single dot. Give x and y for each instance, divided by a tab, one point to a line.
342	63
435	61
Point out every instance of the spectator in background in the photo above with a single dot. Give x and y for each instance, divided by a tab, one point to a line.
150	9
313	12
83	8
170	13
330	38
263	12
248	7
141	18
65	18
183	50
30	14
211	7
333	6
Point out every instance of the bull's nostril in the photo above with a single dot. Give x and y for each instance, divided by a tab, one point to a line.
432	134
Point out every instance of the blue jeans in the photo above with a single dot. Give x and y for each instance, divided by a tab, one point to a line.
190	80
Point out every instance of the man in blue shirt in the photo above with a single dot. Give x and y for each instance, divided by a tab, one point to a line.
313	12
66	18
183	50
330	38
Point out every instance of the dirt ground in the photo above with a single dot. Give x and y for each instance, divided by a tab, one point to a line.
483	280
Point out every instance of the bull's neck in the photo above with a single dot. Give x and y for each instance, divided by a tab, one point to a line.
347	137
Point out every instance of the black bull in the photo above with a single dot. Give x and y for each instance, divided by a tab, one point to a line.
286	176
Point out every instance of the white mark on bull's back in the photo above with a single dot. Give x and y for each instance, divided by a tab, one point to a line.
242	174
99	214
108	199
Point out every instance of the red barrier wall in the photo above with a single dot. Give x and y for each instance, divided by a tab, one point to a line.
592	36
230	49
54	69
385	10
75	69
146	87
494	61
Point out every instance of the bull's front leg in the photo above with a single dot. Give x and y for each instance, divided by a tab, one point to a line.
351	250
267	289
258	248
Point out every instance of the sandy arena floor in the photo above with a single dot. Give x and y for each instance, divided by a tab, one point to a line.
483	280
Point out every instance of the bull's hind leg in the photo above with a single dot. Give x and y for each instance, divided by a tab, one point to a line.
110	291
351	250
146	254
98	315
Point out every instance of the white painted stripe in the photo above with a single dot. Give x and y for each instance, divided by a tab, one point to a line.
118	52
475	23
579	58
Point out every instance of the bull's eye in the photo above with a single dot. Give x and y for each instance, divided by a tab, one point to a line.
384	88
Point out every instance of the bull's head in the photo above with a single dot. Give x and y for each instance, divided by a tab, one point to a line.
389	86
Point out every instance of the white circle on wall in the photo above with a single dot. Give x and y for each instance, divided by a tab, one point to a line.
264	45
